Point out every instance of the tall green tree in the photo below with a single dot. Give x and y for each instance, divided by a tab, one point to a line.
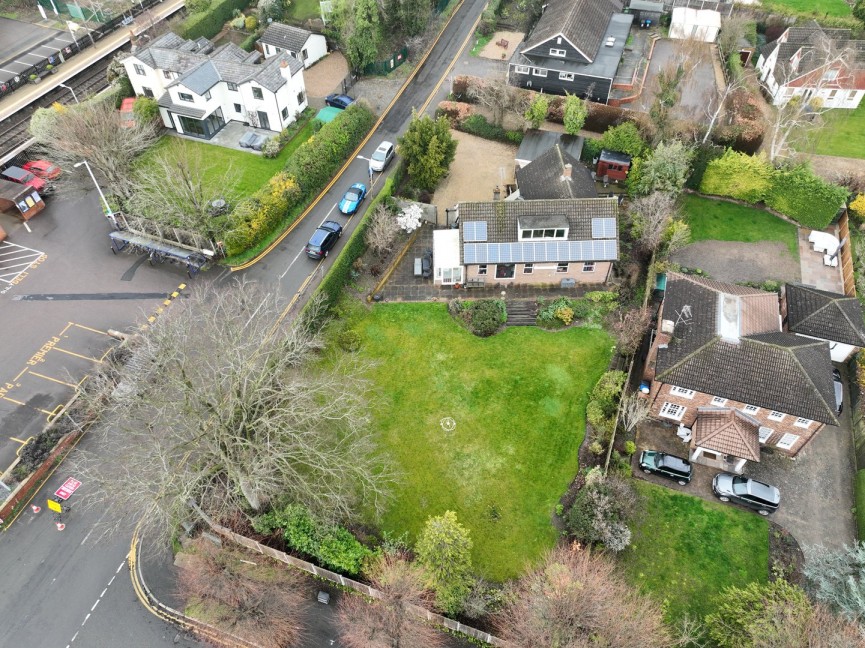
444	549
536	113
624	138
666	169
428	149
576	112
362	33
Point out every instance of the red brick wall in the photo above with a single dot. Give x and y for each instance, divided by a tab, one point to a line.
543	273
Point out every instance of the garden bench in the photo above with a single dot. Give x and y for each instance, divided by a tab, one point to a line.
502	43
474	283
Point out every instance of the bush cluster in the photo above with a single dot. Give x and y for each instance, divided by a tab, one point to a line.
603	403
332	547
478	125
260	214
483	317
208	23
601	511
794	191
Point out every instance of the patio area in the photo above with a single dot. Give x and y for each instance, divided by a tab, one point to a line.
228	136
814	271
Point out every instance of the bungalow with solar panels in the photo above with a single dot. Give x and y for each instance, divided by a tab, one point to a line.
529	242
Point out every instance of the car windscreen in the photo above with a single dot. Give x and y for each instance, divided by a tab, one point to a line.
674	463
378	156
352	194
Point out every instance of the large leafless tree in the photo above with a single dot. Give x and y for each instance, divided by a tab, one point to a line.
650	217
225	402
390	622
499	97
91	131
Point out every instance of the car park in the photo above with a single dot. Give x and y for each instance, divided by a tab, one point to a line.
323	239
352	198
754	494
839	391
42	169
338	101
666	465
19	175
382	156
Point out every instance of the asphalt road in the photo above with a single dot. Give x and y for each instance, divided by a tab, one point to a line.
66	588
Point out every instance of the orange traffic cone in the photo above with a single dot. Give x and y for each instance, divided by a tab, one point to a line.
35	508
60	526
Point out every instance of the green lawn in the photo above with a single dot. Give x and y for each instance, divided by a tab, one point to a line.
843	134
518	399
718	220
300	10
812	7
685	549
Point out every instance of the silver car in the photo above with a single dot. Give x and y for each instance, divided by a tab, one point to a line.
382	156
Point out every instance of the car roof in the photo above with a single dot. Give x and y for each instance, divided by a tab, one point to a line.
763	491
16	172
384	145
674	463
358	185
331	226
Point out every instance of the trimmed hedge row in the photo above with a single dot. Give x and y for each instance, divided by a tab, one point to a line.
479	126
794	191
306	173
209	23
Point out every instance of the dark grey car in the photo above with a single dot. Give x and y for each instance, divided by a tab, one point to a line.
754	494
666	465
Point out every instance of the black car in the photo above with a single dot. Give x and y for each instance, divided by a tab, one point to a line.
338	101
839	391
756	495
669	466
323	239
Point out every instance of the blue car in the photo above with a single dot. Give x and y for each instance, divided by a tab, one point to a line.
352	198
338	101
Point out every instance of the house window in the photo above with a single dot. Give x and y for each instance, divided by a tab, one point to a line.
717	401
147	91
557	52
232	87
543	234
566	76
787	441
139	69
765	433
505	271
304	55
185	96
832	94
300	97
256	93
830	75
562	267
482	269
679	391
750	409
528	268
284	113
522	69
672	411
539	72
207	95
166	74
803	422
238	109
852	95
776	416
589	266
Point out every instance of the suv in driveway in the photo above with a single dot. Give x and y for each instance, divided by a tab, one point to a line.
756	495
665	465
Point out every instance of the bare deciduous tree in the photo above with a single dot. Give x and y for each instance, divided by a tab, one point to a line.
576	598
225	402
382	230
650	216
633	411
259	603
178	189
717	101
499	96
390	622
630	329
732	32
91	131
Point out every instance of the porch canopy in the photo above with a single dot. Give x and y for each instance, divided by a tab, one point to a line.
728	432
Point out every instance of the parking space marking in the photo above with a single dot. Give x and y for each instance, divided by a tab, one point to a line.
59	382
15	261
77	355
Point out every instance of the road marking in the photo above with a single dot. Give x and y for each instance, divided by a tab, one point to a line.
95	604
119	567
77	355
85	618
282	276
87	328
74	637
59	382
103	592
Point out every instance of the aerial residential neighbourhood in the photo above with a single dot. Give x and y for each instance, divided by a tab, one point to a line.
432	323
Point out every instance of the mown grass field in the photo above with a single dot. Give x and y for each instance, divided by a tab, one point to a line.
812	7
842	134
518	400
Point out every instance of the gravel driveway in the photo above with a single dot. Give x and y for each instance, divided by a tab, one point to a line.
737	262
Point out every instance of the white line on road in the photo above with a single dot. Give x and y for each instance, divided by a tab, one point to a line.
95	604
117	571
111	581
85	618
74	637
106	589
282	276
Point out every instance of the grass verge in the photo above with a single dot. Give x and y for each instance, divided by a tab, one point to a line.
480	43
685	550
518	399
718	220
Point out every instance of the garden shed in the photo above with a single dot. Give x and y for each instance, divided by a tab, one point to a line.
646	14
613	165
702	24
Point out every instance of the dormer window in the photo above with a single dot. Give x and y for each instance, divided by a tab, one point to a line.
830	75
557	52
542	228
538	234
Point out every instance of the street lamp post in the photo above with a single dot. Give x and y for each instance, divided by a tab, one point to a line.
63	85
108	211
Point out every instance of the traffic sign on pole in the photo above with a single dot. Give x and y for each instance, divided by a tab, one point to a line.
69	486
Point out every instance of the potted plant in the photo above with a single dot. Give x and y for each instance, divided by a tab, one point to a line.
34	78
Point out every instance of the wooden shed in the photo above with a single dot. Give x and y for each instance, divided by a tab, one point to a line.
613	165
22	200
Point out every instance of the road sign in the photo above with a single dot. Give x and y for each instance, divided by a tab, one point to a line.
55	506
69	486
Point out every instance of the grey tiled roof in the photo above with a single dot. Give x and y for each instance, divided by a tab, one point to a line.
809	37
582	22
200	79
285	36
544	177
766	367
536	142
826	315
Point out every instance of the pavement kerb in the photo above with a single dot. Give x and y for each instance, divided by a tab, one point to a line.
363	143
393	265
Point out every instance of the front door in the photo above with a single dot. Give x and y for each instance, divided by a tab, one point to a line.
263	121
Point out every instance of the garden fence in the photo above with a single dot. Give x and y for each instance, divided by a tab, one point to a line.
384	67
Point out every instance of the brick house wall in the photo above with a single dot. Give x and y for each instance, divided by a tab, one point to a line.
664	403
542	273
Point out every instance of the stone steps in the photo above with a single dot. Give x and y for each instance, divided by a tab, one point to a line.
521	313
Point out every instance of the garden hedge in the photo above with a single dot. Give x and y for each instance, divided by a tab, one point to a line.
209	23
793	191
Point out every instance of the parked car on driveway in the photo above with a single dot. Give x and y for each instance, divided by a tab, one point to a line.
666	465
352	198
19	175
754	494
839	390
338	101
323	239
42	169
382	157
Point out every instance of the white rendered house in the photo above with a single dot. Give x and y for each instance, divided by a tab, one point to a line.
200	88
303	45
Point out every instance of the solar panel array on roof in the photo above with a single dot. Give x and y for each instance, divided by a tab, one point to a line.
603	228
539	251
475	231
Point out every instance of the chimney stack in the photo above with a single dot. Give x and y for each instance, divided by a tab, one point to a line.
566	172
